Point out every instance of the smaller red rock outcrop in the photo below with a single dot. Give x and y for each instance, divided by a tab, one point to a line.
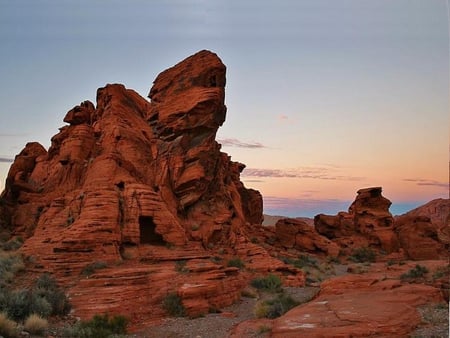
367	218
420	238
297	234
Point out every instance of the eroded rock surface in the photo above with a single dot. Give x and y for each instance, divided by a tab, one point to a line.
378	303
137	183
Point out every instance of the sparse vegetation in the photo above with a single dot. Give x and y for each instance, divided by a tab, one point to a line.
390	262
249	293
275	307
180	266
44	299
362	255
93	267
263	329
417	272
35	324
236	262
270	283
100	326
441	272
8	328
173	304
10	264
13	244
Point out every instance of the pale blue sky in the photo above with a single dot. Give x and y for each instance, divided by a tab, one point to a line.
333	95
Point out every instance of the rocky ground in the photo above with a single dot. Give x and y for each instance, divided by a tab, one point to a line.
434	316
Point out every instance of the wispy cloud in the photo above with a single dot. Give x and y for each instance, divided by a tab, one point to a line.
283	117
308	207
426	182
6	160
232	142
319	172
253	181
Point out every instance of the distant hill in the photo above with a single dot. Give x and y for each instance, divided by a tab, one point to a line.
437	210
272	220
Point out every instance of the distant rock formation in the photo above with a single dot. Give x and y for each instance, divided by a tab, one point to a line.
135	181
368	222
367	218
438	210
294	233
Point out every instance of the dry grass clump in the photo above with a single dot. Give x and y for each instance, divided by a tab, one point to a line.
35	324
8	327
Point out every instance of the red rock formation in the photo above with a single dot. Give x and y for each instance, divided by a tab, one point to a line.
419	238
126	179
294	233
438	211
373	304
368	220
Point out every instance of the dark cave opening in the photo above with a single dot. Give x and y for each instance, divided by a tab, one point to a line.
147	231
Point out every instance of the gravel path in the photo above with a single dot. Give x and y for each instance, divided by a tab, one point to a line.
217	325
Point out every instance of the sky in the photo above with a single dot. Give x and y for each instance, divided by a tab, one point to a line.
324	97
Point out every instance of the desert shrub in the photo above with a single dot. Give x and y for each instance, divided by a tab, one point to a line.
236	262
249	293
13	244
441	272
35	324
390	262
10	265
173	304
263	329
45	281
271	283
363	254
44	299
417	272
93	267
48	289
180	266
8	328
335	260
100	326
304	261
274	308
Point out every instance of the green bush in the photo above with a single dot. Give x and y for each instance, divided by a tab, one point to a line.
173	304
44	299
363	254
8	328
417	272
180	266
304	261
10	265
13	244
100	326
271	283
236	262
275	307
93	267
47	288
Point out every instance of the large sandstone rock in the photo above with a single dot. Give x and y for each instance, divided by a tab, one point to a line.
294	233
129	182
374	304
368	218
420	238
